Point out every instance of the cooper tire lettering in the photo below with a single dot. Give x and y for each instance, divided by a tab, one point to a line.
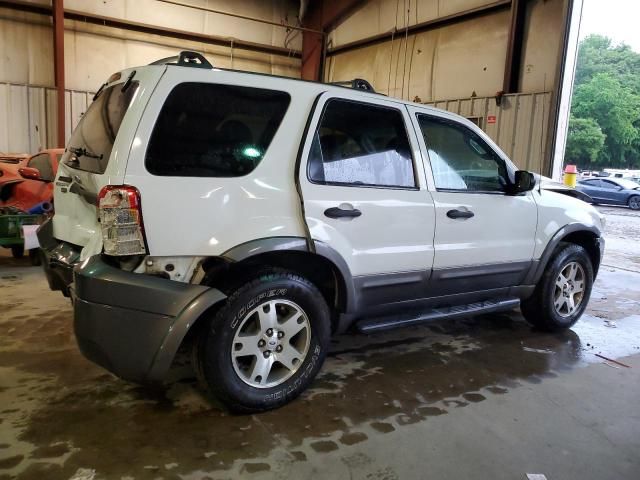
218	370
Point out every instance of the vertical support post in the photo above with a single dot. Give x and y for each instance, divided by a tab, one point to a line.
561	111
513	62
312	47
58	67
323	15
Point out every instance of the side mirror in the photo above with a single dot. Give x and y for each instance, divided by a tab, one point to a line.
31	173
524	182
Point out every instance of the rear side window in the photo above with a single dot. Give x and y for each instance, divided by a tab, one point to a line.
96	132
360	144
592	183
210	130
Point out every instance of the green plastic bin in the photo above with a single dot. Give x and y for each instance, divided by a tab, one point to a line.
11	230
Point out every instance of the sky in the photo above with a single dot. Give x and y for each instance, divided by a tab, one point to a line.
616	19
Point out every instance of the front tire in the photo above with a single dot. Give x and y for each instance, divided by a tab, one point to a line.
266	344
634	202
563	292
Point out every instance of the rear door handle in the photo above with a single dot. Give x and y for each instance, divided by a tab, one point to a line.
337	212
459	214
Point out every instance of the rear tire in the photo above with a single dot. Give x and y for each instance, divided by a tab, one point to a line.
563	292
17	251
634	202
266	344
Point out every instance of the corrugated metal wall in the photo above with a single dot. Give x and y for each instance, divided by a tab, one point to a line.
27	116
93	52
451	61
518	125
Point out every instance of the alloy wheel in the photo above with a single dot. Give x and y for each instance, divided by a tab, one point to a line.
271	343
569	289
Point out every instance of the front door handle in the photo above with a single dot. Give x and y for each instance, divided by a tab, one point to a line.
337	212
459	214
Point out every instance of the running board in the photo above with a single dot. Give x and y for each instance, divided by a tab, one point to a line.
395	321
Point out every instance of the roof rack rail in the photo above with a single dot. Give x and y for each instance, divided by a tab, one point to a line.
185	59
356	83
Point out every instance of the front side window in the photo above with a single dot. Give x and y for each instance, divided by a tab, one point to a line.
360	144
460	159
212	130
43	164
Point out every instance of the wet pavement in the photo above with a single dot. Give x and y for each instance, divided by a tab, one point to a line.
482	397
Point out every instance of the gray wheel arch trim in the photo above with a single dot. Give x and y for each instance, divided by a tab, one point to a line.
178	331
539	267
299	244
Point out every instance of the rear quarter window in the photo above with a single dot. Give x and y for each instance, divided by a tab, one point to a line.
213	130
97	130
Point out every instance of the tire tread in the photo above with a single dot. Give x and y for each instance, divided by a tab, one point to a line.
537	309
205	364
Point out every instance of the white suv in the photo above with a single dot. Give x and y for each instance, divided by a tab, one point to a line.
254	216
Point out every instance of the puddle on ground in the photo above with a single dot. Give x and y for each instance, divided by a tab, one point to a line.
60	414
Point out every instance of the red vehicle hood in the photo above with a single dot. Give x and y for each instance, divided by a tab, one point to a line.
17	191
9	178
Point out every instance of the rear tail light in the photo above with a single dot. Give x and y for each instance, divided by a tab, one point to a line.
121	220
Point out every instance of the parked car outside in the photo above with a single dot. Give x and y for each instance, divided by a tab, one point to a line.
612	191
251	217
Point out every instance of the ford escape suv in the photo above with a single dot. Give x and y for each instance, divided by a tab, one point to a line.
252	217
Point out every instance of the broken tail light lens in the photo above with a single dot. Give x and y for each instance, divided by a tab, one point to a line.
120	215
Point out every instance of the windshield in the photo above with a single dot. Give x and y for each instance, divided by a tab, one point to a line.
98	128
628	184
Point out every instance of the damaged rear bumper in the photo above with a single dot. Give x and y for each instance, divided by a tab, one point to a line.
59	258
133	324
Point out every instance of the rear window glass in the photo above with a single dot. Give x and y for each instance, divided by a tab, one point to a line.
211	130
97	129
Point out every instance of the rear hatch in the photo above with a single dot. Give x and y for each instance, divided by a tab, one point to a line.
96	155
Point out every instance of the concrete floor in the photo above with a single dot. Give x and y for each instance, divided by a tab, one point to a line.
483	398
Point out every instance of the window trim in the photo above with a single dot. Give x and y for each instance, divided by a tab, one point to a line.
508	166
200	82
308	137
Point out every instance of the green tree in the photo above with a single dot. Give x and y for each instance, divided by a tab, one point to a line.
607	91
597	54
585	142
